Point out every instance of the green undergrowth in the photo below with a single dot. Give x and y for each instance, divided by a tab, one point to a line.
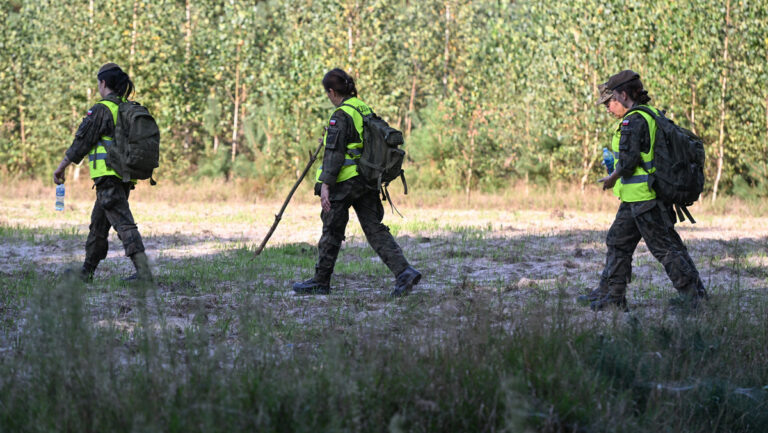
39	234
480	368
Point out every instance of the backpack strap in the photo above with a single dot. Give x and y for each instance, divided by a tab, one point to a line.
356	109
386	197
362	116
645	110
655	119
688	214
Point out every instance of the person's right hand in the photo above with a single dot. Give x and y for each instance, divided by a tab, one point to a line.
320	140
325	194
58	176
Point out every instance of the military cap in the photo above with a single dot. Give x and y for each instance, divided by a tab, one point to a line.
617	80
605	94
108	67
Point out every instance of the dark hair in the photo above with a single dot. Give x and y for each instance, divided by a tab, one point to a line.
340	82
635	91
117	80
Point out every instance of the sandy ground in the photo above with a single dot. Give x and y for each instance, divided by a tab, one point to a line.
520	254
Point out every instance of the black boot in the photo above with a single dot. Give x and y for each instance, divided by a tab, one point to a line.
311	287
405	282
690	300
610	301
143	274
84	274
592	296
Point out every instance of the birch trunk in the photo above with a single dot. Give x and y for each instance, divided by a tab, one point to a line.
723	91
134	24
446	42
236	100
410	108
187	57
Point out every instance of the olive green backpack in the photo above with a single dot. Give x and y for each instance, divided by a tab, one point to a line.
136	149
382	159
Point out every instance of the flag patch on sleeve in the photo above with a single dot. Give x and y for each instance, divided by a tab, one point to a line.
625	122
332	122
89	112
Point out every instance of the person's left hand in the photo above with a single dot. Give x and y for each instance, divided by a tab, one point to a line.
608	181
325	194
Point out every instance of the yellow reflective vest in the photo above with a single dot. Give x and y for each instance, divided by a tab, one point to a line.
354	150
97	157
636	188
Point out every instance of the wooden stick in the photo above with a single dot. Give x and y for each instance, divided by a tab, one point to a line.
312	158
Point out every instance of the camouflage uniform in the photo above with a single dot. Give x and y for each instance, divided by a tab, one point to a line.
355	193
651	220
111	207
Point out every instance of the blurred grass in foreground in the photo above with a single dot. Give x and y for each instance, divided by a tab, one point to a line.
483	369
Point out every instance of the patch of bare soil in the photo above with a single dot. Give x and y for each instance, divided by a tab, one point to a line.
516	259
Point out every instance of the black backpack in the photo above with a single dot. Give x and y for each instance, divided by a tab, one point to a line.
382	160
678	156
135	152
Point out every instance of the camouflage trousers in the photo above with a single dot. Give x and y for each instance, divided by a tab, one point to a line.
111	210
654	223
370	212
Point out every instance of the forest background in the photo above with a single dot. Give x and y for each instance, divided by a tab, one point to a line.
487	92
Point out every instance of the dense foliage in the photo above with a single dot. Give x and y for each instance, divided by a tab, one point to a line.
486	91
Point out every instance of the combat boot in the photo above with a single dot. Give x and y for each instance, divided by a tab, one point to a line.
311	287
610	301
592	296
143	274
405	282
84	274
690	300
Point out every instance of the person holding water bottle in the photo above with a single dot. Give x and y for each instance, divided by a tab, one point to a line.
111	207
641	215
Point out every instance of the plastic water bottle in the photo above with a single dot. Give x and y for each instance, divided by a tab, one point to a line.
60	197
608	160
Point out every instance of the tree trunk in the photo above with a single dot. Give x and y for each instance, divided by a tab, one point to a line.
588	150
350	56
134	24
243	99
723	91
470	156
187	57
236	100
88	89
588	158
76	168
298	137
446	42
18	78
410	108
693	108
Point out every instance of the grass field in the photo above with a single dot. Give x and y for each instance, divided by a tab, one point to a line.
491	340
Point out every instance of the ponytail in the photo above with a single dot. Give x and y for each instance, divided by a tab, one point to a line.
116	79
635	91
340	82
